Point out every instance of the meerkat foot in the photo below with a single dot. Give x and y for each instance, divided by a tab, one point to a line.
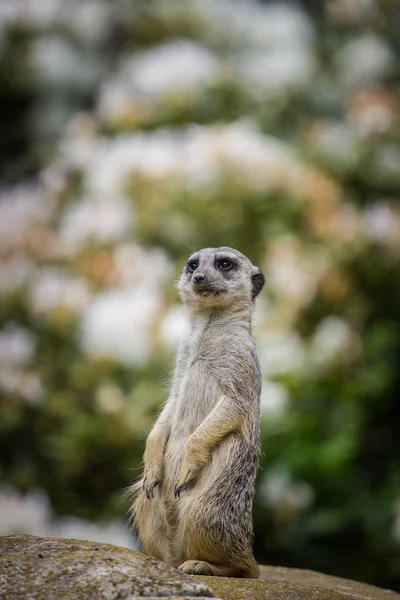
196	567
201	567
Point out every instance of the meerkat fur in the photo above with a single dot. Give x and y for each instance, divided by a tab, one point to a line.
193	507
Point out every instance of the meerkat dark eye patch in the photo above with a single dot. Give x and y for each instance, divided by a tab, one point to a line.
225	264
192	266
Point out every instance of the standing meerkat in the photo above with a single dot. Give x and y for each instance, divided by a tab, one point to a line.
194	503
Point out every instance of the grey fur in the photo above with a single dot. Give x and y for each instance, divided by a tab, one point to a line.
195	508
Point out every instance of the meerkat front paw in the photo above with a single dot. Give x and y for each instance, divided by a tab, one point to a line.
151	480
183	484
149	489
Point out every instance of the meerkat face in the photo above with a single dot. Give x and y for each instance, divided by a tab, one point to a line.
218	278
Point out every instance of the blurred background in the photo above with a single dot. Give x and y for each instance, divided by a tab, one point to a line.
134	132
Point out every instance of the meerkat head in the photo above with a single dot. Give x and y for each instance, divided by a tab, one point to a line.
218	278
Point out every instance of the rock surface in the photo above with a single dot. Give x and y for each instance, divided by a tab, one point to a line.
39	568
36	568
346	587
280	583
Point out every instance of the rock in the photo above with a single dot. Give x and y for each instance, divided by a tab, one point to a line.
281	583
346	587
39	568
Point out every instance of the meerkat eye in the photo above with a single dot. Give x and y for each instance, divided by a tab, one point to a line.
225	264
192	266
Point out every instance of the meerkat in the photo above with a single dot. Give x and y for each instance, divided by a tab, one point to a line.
194	503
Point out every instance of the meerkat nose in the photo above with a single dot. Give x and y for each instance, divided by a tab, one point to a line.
199	278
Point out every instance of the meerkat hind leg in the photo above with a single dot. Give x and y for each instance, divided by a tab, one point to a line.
151	527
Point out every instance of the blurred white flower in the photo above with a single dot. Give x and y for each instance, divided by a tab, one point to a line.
118	324
96	220
331	338
116	159
274	53
338	143
376	119
195	155
24	384
30	13
291	274
155	154
89	20
22	208
176	66
80	147
365	59
248	22
173	327
262	160
53	289
9	12
57	62
386	162
276	71
372	111
382	223
239	143
54	178
135	265
346	224
280	352
284	495
15	273
274	399
110	399
17	345
17	348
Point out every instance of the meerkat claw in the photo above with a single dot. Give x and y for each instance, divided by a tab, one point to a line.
183	486
178	489
150	489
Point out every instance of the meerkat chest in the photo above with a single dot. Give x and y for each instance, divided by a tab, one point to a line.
208	344
199	390
198	395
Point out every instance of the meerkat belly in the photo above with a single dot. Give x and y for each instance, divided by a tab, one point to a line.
218	508
199	393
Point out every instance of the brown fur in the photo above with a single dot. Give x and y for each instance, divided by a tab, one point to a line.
194	503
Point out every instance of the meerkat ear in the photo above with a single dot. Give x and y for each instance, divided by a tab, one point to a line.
258	281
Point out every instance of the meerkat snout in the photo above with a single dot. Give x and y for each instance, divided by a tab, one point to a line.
199	278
